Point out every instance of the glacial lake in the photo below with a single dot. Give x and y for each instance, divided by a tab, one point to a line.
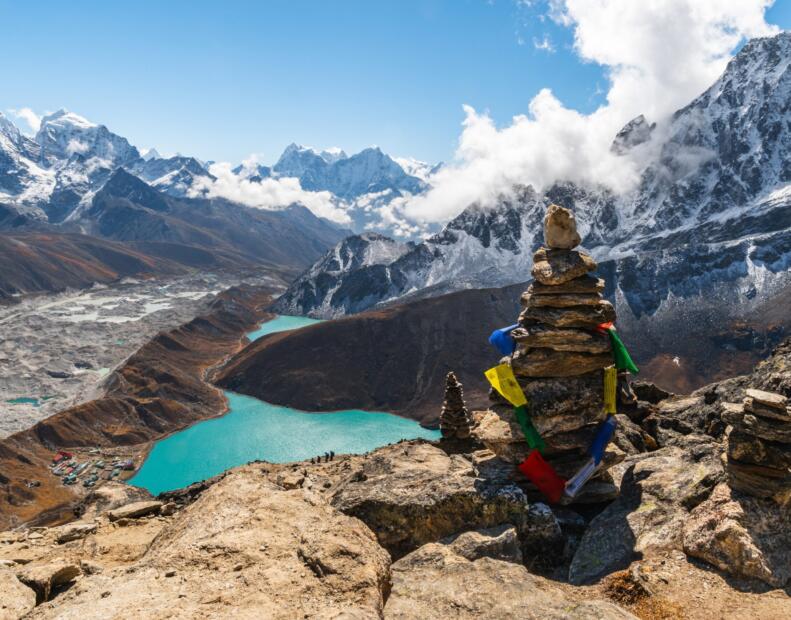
253	429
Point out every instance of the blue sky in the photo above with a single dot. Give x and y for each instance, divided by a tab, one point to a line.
223	80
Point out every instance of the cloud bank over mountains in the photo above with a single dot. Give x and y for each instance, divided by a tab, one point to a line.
268	193
659	55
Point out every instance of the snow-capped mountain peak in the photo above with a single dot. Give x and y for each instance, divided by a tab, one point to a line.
64	134
149	154
64	118
713	206
417	168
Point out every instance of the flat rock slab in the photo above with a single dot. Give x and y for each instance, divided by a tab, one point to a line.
578	316
760	481
44	577
763	428
553	267
135	510
768	399
435	582
766	411
741	535
16	599
657	491
586	284
564	300
551	363
411	494
561	339
748	449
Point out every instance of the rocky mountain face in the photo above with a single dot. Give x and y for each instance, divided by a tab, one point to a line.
53	176
70	158
130	228
703	239
369	171
204	231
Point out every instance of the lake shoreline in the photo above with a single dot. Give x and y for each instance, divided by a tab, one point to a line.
206	459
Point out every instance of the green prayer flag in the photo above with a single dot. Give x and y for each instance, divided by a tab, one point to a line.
531	434
621	356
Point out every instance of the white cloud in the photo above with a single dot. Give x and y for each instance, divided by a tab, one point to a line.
75	146
274	193
659	55
32	119
544	44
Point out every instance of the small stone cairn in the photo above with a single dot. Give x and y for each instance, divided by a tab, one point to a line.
454	421
759	446
558	361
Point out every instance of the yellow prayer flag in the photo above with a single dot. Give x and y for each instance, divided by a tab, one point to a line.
502	379
610	382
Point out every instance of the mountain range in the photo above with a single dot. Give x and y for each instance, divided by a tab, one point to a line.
701	246
54	175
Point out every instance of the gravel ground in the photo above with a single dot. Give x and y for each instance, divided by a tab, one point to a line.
55	350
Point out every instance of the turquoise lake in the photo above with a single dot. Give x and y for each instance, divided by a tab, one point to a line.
253	429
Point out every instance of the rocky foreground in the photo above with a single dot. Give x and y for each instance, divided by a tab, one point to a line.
417	530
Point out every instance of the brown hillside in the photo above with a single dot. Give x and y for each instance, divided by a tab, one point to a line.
391	360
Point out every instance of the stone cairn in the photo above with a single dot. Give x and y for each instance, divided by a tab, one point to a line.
558	361
759	446
454	421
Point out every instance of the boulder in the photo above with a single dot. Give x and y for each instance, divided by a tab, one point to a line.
741	535
649	392
290	479
16	599
585	285
74	531
578	316
552	267
436	582
246	548
135	510
112	494
658	489
499	543
560	228
550	363
43	578
411	494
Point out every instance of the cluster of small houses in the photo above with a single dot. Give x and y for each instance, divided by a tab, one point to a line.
66	466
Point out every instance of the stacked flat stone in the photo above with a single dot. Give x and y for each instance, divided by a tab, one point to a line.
759	446
454	420
560	356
